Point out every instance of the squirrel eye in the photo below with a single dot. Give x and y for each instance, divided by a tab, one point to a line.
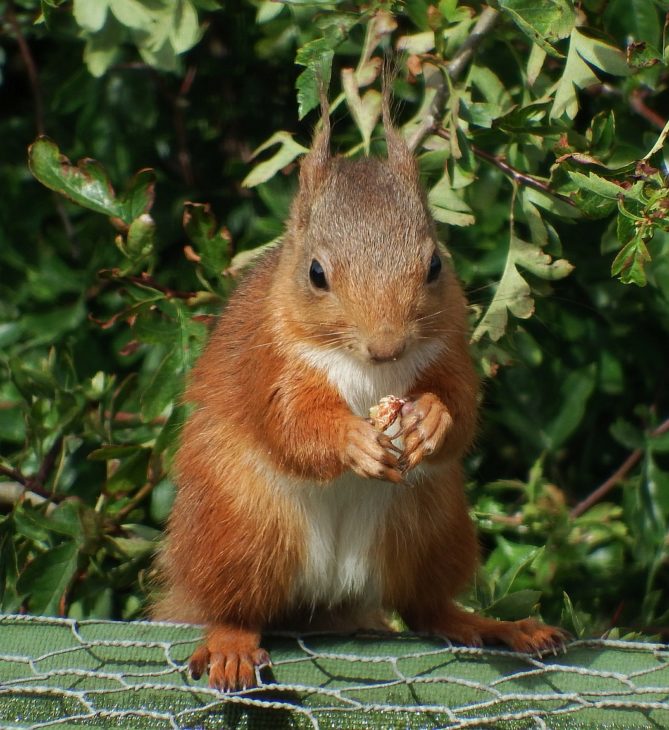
317	275
435	268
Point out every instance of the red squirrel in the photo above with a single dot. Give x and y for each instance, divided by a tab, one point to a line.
292	509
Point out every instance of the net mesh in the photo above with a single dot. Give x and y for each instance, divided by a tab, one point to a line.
58	673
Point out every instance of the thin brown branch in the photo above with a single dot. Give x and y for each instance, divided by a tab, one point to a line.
522	178
638	104
29	63
37	484
618	475
455	67
13	474
147	280
141	494
46	466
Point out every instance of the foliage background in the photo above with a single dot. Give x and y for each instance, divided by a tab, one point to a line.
543	152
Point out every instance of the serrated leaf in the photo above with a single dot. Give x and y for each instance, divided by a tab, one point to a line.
630	262
576	75
602	55
46	579
288	150
545	22
447	207
513	292
605	188
317	57
86	183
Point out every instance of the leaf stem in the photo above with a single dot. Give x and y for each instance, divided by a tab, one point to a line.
522	178
618	475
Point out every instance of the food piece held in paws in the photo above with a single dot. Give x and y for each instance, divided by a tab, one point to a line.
386	412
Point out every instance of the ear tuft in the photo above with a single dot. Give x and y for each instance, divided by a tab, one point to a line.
313	167
400	157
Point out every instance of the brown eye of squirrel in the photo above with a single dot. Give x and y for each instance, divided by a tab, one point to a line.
435	268
317	275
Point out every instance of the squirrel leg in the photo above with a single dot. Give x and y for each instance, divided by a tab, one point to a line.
230	654
527	635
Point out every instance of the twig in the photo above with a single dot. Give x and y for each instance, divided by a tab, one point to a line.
36	484
638	105
147	280
454	69
618	475
140	495
31	67
522	178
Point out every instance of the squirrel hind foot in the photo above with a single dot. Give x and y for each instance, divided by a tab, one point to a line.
527	636
231	657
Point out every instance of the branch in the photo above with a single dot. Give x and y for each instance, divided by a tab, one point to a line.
148	281
638	105
618	475
31	67
522	178
140	495
35	485
454	69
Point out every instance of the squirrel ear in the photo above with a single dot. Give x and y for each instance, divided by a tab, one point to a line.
312	169
400	157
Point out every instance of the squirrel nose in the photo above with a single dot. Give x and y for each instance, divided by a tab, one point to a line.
386	348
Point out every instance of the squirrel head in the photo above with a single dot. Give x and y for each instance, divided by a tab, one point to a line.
361	257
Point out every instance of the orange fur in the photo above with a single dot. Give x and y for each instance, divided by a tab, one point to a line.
288	509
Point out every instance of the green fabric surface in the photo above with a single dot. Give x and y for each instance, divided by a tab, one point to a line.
59	673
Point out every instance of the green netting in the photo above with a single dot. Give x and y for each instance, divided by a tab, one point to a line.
61	673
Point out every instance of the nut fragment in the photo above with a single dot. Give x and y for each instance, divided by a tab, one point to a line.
386	412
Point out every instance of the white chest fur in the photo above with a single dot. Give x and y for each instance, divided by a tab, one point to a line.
342	520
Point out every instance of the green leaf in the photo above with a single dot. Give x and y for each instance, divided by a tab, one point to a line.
86	184
575	392
185	31
365	110
139	195
103	47
141	238
132	13
630	263
317	57
447	207
288	150
164	386
544	22
211	242
46	579
514	606
90	15
513	292
577	74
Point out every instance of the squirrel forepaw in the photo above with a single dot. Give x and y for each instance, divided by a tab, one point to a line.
369	453
424	425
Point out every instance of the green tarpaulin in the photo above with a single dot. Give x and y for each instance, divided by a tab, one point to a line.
62	673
